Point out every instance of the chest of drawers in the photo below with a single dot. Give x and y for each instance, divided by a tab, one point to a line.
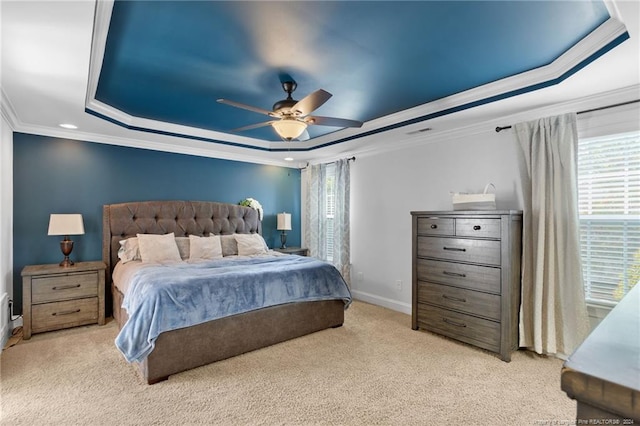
466	276
56	297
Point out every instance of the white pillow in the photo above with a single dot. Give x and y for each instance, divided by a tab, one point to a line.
204	247
158	248
250	244
129	250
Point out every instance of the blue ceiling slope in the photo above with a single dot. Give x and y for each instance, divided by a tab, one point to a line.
170	60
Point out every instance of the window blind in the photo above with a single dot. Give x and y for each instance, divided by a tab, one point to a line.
330	207
609	209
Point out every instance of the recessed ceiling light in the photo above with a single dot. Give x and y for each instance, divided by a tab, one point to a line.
288	159
68	126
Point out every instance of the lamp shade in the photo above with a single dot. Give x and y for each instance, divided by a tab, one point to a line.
66	224
289	128
284	222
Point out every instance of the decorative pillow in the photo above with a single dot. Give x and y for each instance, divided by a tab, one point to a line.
249	244
205	247
158	248
183	247
129	250
229	245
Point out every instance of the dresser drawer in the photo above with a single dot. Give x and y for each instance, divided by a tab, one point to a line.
483	228
483	278
55	315
435	226
469	301
469	329
466	250
64	287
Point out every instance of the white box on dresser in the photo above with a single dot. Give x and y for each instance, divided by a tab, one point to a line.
466	276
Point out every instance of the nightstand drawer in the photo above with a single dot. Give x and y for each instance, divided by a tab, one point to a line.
63	287
71	313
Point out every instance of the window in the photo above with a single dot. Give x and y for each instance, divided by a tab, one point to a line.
330	207
609	208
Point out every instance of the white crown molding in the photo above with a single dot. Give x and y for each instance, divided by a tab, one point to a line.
101	22
612	8
600	100
375	144
169	144
8	111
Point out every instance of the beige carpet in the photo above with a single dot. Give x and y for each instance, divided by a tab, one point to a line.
373	370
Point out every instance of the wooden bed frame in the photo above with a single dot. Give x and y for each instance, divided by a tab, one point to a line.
183	349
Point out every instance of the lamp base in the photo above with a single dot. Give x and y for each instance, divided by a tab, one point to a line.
283	240
66	246
66	262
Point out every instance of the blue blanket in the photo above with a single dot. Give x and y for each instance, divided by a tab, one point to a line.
168	297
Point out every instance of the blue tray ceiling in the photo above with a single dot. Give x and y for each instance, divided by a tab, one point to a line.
170	60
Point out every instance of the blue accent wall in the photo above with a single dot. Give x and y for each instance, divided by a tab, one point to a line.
52	175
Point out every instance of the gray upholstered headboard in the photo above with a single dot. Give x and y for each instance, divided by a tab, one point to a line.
120	221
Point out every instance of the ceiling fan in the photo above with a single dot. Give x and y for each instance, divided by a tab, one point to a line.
291	117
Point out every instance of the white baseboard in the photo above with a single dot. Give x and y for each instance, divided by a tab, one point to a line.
5	329
382	301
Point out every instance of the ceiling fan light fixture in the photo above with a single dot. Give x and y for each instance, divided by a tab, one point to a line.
289	129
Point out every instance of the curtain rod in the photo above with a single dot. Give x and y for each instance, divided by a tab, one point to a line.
348	159
498	129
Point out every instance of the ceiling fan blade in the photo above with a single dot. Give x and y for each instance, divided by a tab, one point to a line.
253	126
332	121
311	102
247	107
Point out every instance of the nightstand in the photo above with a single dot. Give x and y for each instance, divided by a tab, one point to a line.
300	251
56	297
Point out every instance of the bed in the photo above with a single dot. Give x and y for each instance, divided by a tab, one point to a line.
188	347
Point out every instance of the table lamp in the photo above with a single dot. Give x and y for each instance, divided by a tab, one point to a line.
284	224
66	224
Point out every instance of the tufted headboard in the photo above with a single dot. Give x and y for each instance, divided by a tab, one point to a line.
125	220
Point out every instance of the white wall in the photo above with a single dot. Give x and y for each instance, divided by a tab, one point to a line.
6	227
386	187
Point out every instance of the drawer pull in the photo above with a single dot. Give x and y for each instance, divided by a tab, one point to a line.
434	226
456	299
457	324
477	227
75	311
66	287
454	274
454	249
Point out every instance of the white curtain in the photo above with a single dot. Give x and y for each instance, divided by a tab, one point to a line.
315	229
325	182
553	313
341	227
